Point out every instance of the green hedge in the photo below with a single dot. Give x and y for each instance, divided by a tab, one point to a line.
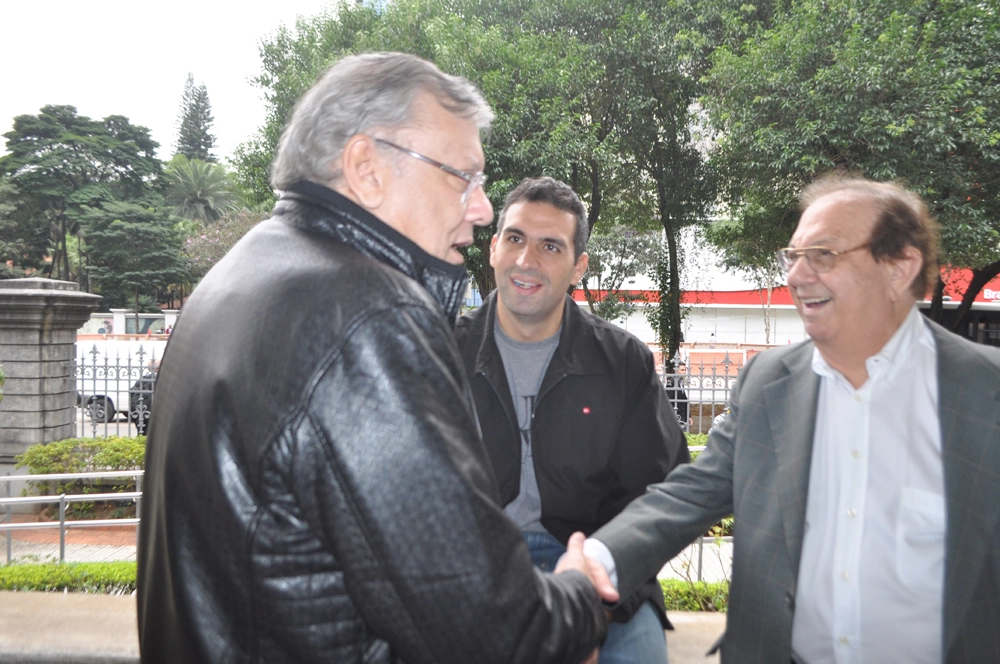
119	579
696	438
84	455
679	595
116	578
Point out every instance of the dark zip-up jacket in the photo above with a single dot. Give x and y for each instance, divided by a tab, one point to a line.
602	429
316	487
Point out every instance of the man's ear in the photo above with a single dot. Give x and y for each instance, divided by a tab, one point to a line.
493	248
364	175
903	271
581	266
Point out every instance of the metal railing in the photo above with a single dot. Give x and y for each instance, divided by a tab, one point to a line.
112	387
63	500
698	396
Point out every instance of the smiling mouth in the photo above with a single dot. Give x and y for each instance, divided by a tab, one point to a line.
524	285
813	302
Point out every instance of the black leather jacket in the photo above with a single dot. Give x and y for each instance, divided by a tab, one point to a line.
602	429
316	488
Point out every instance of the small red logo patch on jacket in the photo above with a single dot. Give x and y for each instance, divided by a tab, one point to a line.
586	410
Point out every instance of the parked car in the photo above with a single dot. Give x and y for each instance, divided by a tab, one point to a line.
107	390
140	401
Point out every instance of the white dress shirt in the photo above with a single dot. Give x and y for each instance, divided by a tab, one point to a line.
871	574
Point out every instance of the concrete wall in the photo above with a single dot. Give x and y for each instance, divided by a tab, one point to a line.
38	323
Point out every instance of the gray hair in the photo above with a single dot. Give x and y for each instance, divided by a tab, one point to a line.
557	194
357	94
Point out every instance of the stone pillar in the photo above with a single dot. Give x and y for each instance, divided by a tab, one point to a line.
38	323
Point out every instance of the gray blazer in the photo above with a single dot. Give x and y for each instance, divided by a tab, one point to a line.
756	466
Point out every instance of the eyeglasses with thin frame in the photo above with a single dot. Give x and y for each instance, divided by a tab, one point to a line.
477	179
820	259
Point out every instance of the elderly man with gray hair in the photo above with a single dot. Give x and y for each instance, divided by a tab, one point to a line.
317	489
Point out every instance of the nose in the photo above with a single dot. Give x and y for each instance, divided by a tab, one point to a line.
800	273
526	257
479	210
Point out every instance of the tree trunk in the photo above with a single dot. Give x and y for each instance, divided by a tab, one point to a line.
980	278
65	256
480	270
937	301
135	302
595	195
587	294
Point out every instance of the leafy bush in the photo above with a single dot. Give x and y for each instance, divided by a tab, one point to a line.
117	578
696	438
82	455
679	595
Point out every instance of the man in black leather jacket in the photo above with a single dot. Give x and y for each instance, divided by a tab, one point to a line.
573	415
316	488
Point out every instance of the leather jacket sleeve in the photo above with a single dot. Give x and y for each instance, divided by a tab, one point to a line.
407	503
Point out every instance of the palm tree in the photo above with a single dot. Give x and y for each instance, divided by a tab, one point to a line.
200	190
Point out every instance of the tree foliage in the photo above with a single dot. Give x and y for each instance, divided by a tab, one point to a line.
194	123
199	190
57	163
595	93
13	246
134	249
893	89
618	254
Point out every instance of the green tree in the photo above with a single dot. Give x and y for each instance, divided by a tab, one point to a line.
134	250
893	89
58	162
13	247
199	190
617	254
194	123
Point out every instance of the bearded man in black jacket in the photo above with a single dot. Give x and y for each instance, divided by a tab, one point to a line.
316	488
573	415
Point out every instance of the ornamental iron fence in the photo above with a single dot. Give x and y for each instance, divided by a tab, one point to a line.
114	391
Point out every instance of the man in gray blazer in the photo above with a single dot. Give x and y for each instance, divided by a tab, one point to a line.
863	466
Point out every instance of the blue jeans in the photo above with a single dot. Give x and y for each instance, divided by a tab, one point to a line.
639	641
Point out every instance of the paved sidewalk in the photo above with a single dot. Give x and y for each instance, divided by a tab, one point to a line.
71	628
76	628
102	544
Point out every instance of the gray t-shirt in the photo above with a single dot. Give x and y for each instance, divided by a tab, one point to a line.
525	364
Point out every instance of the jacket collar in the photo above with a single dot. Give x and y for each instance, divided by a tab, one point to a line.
578	352
318	209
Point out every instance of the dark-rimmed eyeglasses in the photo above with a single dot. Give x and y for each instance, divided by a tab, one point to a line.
477	179
820	259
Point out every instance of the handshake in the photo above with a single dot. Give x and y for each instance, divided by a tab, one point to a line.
575	559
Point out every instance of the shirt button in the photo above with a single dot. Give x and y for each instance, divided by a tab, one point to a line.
855	453
845	575
844	640
857	397
851	512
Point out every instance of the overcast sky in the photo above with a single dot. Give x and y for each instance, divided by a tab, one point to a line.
131	58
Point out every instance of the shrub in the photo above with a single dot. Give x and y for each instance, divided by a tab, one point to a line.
117	578
696	438
81	455
679	595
